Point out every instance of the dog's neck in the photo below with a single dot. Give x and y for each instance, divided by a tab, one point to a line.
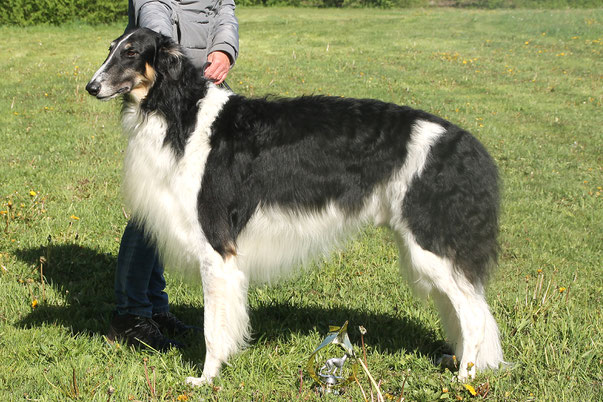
176	100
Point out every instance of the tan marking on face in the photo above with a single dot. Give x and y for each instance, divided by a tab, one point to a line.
149	72
145	82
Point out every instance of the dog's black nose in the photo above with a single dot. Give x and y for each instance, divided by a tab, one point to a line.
93	88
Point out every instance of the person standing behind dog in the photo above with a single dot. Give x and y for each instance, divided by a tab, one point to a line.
207	30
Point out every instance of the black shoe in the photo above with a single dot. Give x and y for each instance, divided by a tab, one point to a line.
139	331
170	324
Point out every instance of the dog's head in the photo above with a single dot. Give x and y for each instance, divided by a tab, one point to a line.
135	59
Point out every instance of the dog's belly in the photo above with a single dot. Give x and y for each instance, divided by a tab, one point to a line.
277	239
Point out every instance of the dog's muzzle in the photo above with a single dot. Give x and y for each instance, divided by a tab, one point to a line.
93	88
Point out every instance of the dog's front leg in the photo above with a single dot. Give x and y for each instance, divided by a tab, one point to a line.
226	321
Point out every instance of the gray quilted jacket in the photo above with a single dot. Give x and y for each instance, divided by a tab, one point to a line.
200	26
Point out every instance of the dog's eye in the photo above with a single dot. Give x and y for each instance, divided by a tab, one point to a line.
131	53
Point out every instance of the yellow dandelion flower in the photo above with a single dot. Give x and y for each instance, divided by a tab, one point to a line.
182	398
539	271
562	289
33	193
34	303
470	389
75	217
3	212
526	42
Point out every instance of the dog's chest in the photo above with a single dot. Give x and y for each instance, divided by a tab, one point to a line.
150	166
161	188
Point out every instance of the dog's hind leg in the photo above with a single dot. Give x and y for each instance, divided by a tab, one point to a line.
448	229
465	316
226	320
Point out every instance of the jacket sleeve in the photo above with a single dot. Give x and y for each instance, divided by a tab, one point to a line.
153	14
224	35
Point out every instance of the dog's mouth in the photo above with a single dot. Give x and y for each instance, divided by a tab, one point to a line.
104	97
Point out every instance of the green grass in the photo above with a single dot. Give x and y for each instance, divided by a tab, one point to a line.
526	83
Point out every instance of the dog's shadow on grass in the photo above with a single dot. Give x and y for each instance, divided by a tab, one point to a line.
83	279
82	283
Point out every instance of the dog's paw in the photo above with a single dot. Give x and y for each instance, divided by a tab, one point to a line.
197	381
466	371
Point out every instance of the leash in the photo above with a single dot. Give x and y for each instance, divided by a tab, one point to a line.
226	86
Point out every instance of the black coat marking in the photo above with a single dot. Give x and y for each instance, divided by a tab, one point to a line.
300	154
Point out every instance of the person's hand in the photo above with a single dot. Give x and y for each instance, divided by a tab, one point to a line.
218	67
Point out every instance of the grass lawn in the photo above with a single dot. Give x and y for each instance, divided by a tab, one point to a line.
527	83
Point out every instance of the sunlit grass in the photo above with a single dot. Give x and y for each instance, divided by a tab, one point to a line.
527	83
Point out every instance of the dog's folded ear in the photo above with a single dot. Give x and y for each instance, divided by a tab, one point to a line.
169	58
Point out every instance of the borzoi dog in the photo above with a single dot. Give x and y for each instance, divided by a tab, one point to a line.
242	190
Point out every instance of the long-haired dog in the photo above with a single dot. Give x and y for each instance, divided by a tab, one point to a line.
241	190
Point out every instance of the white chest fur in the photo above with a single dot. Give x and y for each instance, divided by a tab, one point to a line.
160	188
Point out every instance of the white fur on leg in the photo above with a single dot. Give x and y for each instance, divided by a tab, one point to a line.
450	323
480	348
226	322
490	354
466	318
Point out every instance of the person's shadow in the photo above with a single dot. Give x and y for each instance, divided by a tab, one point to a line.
84	277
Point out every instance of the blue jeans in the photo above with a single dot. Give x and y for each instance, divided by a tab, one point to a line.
139	280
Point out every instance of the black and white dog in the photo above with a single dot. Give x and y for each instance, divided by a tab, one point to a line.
242	190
